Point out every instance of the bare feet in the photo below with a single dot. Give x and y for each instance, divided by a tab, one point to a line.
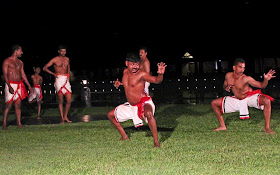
156	145
124	138
20	126
269	131
67	120
220	128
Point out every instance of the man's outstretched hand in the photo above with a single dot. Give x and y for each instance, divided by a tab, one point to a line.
161	68
117	83
269	75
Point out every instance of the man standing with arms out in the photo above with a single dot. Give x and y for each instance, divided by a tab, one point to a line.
37	95
15	91
244	96
144	65
139	106
62	85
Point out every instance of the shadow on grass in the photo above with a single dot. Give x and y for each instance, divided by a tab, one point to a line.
256	117
167	120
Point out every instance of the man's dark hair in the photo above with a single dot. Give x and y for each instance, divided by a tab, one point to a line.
15	47
144	48
131	56
238	60
61	47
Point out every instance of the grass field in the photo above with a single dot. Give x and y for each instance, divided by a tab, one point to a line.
188	146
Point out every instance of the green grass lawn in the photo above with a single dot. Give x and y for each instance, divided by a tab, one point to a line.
188	145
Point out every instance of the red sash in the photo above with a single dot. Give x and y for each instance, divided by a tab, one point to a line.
20	86
140	106
258	91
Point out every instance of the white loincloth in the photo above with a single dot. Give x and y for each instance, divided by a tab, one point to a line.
37	94
127	111
19	91
62	84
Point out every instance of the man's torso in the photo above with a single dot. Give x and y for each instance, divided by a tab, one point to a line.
134	86
36	79
14	69
241	86
61	64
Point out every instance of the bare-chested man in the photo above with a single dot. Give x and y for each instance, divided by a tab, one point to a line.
37	95
140	105
144	65
62	84
15	91
244	96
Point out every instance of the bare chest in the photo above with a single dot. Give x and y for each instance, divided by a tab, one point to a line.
238	84
14	66
131	81
61	62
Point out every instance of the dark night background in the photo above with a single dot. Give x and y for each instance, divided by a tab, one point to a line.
98	34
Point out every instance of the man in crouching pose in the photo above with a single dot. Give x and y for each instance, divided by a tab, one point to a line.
244	96
139	106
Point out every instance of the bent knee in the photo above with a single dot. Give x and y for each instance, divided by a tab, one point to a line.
266	101
111	114
216	102
149	114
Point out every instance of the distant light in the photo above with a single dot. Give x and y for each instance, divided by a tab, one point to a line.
187	55
84	82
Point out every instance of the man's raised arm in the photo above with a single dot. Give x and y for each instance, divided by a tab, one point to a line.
156	79
264	83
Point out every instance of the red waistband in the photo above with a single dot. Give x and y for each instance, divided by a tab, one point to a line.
67	75
37	86
258	91
140	106
16	82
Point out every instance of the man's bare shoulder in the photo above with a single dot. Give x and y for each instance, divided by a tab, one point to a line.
146	60
6	61
55	58
246	77
141	73
125	71
229	74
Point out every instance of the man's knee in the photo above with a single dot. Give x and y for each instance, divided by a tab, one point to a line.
266	101
216	103
149	114
213	103
110	114
68	102
17	106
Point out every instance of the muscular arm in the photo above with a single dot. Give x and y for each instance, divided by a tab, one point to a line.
152	79
49	64
263	84
257	84
68	70
226	85
155	79
41	81
25	78
5	73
